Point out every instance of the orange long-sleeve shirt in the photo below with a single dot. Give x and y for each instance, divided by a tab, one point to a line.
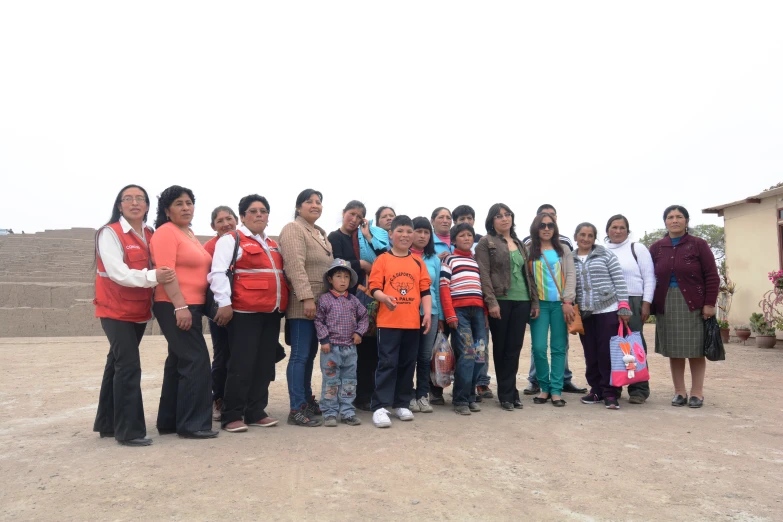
406	279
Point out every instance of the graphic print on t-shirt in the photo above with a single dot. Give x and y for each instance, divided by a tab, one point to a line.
403	282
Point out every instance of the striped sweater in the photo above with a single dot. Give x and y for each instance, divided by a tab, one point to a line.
460	284
599	281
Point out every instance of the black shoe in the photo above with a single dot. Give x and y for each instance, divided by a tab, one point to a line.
478	398
362	405
313	408
518	404
532	389
558	403
679	400
203	434
570	388
508	406
107	434
437	400
141	441
300	418
540	400
166	432
695	402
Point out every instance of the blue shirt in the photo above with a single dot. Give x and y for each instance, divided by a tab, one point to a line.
552	292
673	278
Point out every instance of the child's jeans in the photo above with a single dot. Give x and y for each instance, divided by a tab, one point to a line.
338	390
470	330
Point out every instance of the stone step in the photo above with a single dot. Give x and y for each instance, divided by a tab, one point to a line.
44	295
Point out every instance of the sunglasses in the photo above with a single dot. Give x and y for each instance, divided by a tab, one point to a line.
544	226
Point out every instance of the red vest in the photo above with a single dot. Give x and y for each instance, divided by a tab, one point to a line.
259	283
119	302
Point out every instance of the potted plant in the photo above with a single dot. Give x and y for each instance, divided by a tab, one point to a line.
765	333
743	332
724	330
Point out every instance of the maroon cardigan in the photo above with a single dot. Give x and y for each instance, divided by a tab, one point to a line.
694	267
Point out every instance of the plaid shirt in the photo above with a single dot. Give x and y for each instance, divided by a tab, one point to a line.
338	317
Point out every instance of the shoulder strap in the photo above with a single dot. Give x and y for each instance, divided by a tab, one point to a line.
633	251
230	269
551	273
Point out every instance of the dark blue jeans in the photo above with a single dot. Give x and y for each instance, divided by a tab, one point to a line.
470	330
299	373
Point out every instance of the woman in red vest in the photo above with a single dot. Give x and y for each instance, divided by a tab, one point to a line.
123	301
259	296
185	397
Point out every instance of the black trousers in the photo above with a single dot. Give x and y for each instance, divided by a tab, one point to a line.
185	398
221	354
397	352
508	334
120	408
253	340
367	362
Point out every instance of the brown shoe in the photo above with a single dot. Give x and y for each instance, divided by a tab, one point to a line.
266	422
236	426
217	406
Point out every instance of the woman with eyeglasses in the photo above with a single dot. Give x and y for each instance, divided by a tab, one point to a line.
510	294
185	399
123	302
555	281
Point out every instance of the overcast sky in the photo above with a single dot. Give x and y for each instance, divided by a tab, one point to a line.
595	107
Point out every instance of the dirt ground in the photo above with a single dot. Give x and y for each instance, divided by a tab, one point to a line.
648	462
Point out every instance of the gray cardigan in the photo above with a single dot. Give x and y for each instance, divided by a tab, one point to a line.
599	281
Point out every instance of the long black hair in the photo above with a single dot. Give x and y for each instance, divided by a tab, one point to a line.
422	222
115	211
165	200
494	210
535	239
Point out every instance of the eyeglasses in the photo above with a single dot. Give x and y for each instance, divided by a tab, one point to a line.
544	226
137	199
255	211
507	215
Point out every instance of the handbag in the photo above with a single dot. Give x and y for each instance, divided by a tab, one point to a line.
380	241
713	344
210	305
629	360
576	326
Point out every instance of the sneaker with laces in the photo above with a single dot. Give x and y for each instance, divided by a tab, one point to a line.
380	418
474	406
424	405
611	403
330	422
300	418
462	409
414	405
313	408
217	407
591	398
404	414
351	421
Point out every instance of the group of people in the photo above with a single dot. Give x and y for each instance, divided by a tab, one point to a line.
373	297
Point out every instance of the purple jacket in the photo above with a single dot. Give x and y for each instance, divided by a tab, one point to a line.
694	267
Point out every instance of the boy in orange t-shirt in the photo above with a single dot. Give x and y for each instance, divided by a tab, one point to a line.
400	281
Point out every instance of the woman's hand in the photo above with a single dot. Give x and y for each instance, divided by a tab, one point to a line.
645	311
494	312
224	315
184	319
443	255
441	326
624	318
309	308
534	313
707	311
365	228
164	275
568	313
366	267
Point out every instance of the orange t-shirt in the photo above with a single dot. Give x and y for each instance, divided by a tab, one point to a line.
170	247
404	278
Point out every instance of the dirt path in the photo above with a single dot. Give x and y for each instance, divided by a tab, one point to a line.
649	462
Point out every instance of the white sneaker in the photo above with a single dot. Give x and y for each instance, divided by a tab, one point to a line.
423	405
415	405
404	414
381	418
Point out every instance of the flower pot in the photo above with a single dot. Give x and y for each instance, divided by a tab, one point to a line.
743	335
765	341
724	335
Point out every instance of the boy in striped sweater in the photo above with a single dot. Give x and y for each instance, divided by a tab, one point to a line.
464	310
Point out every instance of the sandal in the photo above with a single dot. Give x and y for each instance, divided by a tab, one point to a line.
539	400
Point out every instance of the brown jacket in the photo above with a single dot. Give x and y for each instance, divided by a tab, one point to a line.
307	255
494	262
